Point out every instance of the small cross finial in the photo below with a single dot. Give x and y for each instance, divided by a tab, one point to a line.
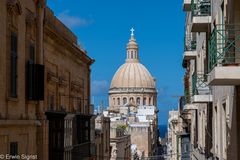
132	31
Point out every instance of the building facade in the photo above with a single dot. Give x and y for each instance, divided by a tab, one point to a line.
120	143
211	60
102	132
45	85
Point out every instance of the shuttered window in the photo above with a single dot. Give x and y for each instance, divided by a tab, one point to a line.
30	73
13	66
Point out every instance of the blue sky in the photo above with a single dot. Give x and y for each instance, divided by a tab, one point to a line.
103	29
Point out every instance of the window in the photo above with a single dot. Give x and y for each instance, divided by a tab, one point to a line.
61	99
144	100
51	101
13	66
131	54
14	149
113	101
30	86
83	129
79	104
124	100
224	128
138	100
131	100
118	101
149	101
32	53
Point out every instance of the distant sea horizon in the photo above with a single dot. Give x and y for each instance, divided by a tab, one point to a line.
163	130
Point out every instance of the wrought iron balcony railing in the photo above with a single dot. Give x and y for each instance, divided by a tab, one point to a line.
199	84
224	46
190	43
200	8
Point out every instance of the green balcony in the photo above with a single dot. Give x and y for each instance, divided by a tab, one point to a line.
189	49
201	15
190	43
200	89
224	55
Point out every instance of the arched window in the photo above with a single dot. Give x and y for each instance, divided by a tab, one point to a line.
118	101
144	100
124	100
131	54
149	102
138	100
113	101
131	99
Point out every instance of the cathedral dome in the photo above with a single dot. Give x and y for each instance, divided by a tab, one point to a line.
132	75
132	85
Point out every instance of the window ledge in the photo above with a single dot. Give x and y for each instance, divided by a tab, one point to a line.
12	99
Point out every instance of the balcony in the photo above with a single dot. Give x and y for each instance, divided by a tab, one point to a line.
183	106
186	115
187	5
201	15
224	55
190	48
190	107
200	89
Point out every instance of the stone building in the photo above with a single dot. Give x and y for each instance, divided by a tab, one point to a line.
178	145
141	131
145	126
173	127
102	142
18	119
120	143
211	59
45	85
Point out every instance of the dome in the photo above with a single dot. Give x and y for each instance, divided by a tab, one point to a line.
132	84
132	75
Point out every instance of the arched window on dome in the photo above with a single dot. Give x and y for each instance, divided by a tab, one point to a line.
131	100
124	100
114	101
154	101
138	100
118	101
131	54
144	101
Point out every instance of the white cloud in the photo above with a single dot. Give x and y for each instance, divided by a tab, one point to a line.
73	21
99	88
